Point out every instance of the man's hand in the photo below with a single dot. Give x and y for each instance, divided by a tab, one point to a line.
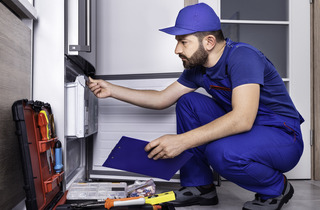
164	147
100	88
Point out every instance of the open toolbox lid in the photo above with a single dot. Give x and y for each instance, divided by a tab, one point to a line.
37	139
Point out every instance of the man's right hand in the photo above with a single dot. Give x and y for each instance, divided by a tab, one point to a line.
100	88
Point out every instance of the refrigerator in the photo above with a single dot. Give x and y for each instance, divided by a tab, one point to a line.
94	47
94	41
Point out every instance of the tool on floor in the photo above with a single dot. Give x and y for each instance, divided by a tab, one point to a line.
58	154
155	199
93	205
130	203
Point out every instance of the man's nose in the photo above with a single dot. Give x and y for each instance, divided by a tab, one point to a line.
178	49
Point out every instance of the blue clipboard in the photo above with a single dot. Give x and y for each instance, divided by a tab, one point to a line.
129	155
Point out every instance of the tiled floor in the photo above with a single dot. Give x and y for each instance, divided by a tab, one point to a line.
232	197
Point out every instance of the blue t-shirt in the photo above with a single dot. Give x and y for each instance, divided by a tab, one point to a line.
245	65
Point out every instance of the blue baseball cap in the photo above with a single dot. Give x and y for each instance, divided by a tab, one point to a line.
195	18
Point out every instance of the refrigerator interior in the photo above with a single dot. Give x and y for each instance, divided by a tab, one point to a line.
117	119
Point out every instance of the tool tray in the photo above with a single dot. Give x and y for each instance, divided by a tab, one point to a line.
42	185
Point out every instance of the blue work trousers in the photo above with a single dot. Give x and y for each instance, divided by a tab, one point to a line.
254	160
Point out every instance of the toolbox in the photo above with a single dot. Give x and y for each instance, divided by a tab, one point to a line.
43	170
40	154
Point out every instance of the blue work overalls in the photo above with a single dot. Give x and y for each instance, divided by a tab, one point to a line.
254	160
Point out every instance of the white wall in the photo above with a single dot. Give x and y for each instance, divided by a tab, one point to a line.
49	67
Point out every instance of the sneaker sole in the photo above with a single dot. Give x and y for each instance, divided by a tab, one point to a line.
287	197
284	200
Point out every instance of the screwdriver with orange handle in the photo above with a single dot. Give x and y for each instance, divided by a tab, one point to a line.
44	126
134	201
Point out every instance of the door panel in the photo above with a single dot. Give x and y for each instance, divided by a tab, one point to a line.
299	77
15	83
316	87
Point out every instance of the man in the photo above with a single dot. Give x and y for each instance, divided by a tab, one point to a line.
248	131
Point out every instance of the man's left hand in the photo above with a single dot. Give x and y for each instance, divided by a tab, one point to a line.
164	147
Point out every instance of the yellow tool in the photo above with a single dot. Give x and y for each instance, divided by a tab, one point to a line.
45	130
155	199
160	198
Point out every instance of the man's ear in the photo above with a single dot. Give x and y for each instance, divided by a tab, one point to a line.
209	42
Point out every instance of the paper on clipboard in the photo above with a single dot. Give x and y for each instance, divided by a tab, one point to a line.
129	155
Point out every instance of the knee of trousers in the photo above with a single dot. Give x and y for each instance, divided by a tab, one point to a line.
202	106
186	101
225	161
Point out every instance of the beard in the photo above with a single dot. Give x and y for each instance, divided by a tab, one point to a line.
199	58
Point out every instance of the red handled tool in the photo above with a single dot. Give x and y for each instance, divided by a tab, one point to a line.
44	124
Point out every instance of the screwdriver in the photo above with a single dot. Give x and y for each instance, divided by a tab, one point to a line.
43	124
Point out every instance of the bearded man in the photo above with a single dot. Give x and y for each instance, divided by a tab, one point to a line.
248	131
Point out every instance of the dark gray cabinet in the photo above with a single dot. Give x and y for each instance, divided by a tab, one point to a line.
15	83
